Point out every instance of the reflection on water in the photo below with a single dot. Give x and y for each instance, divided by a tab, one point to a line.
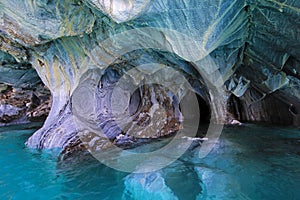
248	162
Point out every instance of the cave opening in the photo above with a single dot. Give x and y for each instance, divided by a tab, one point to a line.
205	111
141	99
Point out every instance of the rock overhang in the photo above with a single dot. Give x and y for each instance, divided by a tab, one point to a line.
254	44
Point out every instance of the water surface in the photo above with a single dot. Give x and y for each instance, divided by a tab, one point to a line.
248	162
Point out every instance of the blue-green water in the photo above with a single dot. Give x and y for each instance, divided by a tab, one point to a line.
249	162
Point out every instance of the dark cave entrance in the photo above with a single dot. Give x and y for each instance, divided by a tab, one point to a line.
204	114
205	111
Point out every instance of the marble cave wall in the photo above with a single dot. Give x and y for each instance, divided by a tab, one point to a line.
240	57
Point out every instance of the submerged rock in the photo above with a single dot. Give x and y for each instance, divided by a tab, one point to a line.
217	184
147	186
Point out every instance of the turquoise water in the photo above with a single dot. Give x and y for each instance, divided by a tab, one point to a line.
249	162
